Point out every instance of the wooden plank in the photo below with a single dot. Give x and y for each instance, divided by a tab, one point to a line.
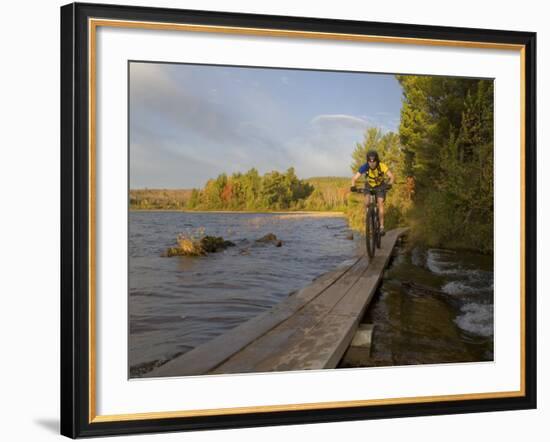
358	352
294	328
358	300
206	357
319	335
363	336
352	308
324	345
315	350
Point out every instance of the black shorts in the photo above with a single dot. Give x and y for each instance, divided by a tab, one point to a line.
379	191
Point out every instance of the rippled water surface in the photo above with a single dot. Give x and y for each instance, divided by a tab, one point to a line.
434	306
177	303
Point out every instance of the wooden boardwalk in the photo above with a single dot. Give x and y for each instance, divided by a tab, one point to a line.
311	329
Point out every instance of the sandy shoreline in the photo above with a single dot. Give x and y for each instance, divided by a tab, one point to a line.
280	214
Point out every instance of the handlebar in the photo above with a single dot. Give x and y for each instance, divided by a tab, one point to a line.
366	189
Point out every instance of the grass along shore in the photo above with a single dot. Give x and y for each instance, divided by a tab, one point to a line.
290	213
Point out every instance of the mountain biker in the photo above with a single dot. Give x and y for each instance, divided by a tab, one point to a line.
375	173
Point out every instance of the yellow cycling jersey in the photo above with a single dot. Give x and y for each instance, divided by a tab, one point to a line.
374	177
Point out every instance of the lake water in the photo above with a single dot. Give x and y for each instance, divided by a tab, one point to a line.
178	303
433	306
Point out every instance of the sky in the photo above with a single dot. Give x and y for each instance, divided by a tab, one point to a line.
189	123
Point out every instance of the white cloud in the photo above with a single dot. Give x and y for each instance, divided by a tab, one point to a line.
385	121
341	120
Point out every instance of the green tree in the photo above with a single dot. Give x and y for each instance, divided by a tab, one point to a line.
447	132
371	141
194	200
275	193
252	183
272	191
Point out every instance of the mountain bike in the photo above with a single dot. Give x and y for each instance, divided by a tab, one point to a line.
373	238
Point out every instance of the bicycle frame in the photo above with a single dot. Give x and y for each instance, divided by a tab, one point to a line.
372	222
371	197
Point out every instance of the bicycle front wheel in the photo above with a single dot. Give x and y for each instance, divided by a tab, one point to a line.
377	235
370	232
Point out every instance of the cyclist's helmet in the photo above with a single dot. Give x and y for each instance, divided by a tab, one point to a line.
373	155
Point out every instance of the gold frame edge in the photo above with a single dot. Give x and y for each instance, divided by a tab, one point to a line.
93	23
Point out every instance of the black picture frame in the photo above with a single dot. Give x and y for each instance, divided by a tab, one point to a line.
77	418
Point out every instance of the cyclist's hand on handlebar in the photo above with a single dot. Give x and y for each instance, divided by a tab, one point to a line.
353	188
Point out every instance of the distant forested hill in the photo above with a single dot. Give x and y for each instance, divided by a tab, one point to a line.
167	199
250	191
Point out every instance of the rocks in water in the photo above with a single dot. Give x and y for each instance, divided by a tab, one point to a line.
173	251
189	246
211	244
270	238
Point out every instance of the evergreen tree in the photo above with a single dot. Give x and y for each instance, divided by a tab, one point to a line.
447	133
371	141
